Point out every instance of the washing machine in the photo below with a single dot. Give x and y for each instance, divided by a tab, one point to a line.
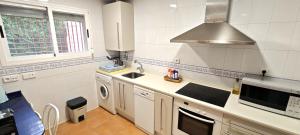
105	92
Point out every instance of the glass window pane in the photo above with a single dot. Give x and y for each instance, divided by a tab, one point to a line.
27	31
70	33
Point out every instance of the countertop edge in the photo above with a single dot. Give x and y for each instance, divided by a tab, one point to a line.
117	75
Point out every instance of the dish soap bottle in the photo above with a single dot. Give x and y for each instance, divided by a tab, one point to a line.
236	87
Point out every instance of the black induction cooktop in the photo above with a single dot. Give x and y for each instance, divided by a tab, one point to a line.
207	94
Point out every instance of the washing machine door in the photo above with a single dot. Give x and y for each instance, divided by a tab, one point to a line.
103	92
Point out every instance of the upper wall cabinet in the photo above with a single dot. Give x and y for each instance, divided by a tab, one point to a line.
118	26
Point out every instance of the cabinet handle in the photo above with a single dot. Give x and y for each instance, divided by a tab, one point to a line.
161	113
124	98
118	35
87	33
196	117
120	96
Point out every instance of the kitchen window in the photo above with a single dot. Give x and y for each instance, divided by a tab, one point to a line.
41	33
26	31
70	32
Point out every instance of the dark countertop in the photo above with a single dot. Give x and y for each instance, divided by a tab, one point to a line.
27	122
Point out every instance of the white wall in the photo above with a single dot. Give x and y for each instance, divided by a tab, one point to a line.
57	86
274	24
61	84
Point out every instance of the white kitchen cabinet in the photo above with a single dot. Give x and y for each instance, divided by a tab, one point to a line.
124	99
118	26
163	114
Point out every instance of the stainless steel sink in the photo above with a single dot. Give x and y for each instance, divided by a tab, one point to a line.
132	75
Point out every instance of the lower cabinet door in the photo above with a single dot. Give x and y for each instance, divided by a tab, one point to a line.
124	99
163	114
128	96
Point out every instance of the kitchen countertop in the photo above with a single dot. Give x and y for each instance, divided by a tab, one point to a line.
232	107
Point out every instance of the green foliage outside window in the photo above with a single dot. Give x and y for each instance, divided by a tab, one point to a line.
27	35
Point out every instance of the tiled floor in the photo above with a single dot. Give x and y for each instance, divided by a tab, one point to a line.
100	122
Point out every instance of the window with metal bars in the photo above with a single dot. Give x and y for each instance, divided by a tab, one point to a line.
27	31
70	32
35	32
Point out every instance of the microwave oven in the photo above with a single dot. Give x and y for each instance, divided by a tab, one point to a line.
271	94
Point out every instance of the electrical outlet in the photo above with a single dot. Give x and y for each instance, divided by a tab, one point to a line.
29	75
10	78
176	60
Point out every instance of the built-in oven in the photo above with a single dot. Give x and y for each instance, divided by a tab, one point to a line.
192	119
272	94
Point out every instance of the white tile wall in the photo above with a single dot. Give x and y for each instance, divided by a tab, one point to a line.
274	24
293	65
279	36
233	59
298	18
244	11
258	31
275	61
285	11
261	11
296	37
252	61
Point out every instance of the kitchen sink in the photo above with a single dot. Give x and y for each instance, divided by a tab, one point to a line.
132	75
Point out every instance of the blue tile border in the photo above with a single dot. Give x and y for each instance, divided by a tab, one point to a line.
193	68
17	69
8	70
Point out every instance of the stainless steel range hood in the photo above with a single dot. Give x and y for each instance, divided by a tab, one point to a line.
216	29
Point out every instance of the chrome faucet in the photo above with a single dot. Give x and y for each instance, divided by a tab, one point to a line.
140	67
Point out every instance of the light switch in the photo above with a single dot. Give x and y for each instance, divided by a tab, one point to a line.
10	78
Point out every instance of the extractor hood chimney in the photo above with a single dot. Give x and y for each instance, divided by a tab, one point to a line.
216	29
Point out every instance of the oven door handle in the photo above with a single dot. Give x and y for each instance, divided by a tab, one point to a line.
195	117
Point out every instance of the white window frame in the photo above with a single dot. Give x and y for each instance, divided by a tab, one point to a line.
7	60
